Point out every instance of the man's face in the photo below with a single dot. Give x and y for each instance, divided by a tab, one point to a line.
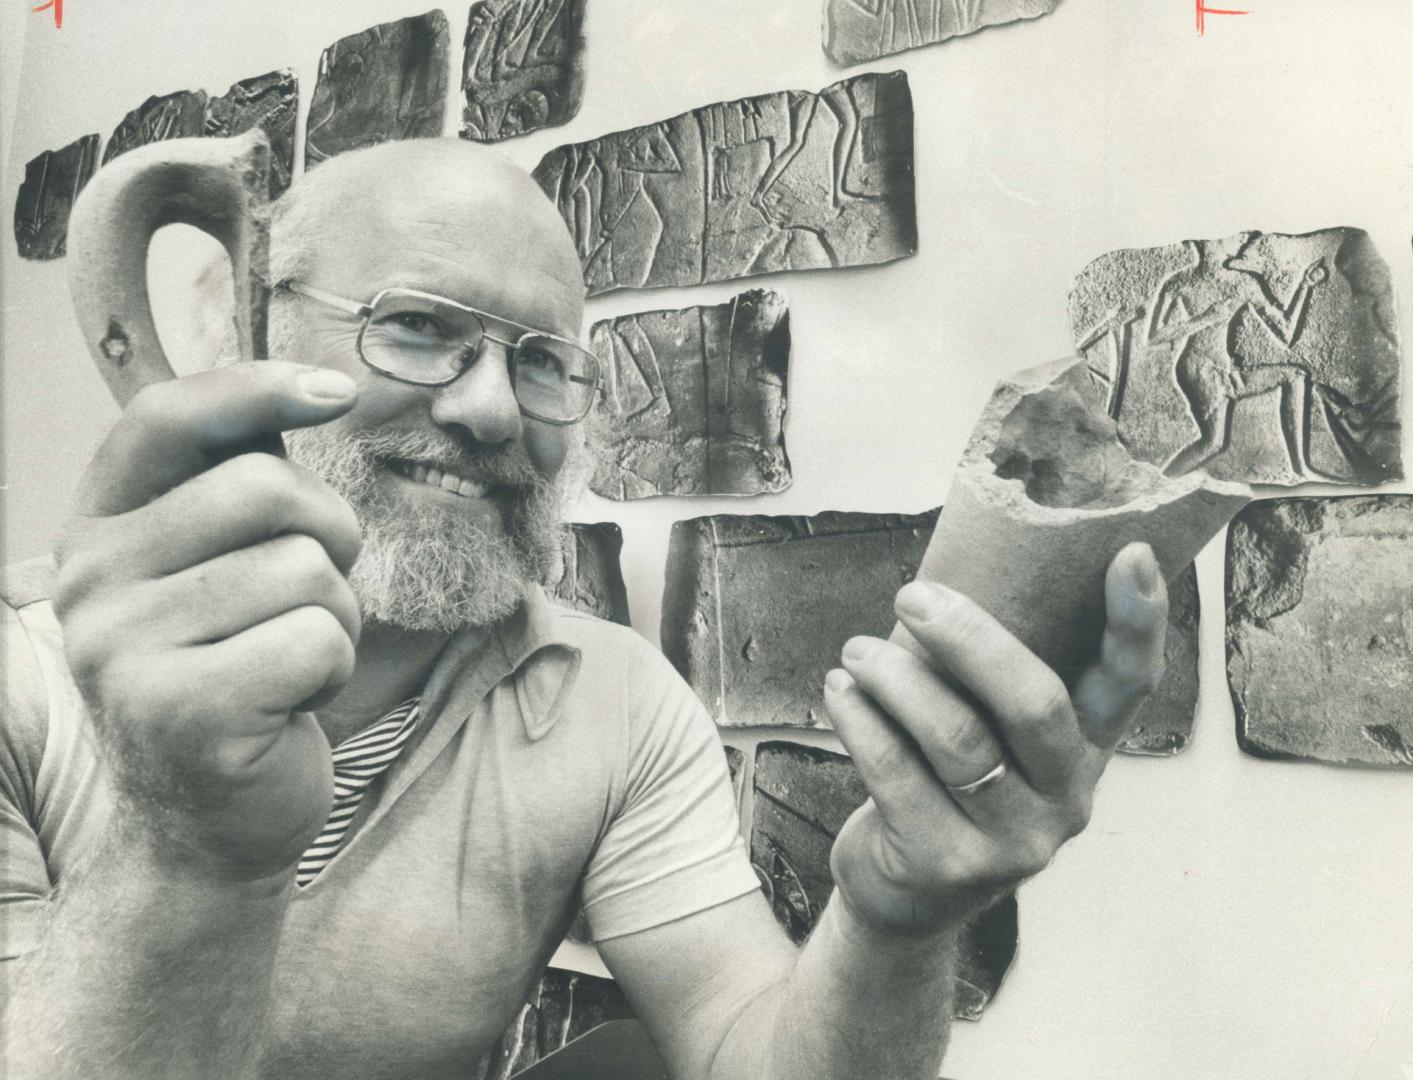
458	492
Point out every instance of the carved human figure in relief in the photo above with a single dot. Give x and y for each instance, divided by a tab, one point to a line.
507	40
607	192
905	24
1197	309
840	100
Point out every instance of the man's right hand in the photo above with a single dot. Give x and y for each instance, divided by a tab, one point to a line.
203	598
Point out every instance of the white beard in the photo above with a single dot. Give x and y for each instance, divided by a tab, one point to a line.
428	567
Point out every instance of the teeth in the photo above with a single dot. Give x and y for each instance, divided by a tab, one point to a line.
450	482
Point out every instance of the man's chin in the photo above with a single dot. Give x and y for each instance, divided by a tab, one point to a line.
433	559
407	583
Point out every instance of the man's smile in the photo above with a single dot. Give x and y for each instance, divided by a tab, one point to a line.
439	477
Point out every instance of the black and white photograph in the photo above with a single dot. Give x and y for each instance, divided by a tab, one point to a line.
714	540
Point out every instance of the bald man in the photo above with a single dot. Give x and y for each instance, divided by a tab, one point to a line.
194	886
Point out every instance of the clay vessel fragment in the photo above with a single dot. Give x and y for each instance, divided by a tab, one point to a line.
1045	497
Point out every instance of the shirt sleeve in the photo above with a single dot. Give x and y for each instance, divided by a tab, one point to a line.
674	847
24	877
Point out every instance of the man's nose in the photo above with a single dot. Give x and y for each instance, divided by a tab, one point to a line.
481	399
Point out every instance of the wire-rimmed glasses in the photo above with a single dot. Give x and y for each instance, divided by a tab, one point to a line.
428	340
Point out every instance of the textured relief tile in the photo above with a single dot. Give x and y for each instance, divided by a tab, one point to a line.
1264	357
524	67
269	102
803	796
858	30
564	1005
385	83
180	115
1320	629
591	578
52	183
756	609
1164	724
784	181
693	401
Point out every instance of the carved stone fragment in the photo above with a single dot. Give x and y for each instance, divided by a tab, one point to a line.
756	609
803	796
1264	357
855	31
385	83
270	102
1044	498
591	579
736	766
1164	723
181	115
693	401
784	181
524	67
52	183
564	1005
1320	629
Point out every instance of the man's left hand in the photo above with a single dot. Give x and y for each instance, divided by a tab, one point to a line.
980	762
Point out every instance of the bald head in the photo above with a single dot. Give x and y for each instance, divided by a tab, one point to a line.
430	212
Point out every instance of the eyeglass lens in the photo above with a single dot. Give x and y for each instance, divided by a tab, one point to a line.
425	340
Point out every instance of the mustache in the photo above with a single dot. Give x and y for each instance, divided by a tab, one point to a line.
503	466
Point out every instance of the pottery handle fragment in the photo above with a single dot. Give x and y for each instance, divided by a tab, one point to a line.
219	185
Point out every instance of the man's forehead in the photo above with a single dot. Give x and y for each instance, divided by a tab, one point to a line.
481	234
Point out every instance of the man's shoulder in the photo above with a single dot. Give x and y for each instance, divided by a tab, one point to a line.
602	642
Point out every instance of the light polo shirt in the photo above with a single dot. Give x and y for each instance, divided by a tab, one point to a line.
560	763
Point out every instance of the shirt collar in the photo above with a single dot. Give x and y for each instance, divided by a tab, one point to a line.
531	643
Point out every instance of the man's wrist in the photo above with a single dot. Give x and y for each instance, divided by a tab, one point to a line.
139	855
862	929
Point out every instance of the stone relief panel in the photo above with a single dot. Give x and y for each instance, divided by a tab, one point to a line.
385	83
565	1005
181	115
802	797
1320	629
269	102
1264	357
51	184
756	609
523	67
591	578
784	181
693	401
859	30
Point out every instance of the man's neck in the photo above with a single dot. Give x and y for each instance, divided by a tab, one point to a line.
392	665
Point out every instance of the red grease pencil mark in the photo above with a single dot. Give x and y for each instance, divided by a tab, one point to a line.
1203	11
58	6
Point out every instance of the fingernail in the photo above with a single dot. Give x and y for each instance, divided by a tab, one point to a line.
838	680
322	384
918	600
1145	572
860	648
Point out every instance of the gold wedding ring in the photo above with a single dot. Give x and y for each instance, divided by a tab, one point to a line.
995	773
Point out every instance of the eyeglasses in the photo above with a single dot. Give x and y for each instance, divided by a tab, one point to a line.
428	340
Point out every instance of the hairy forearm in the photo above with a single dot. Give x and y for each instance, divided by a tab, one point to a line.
858	1003
145	973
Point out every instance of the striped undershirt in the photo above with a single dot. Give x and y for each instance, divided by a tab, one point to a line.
358	761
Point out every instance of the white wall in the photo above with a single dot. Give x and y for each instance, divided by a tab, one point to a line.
1223	917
